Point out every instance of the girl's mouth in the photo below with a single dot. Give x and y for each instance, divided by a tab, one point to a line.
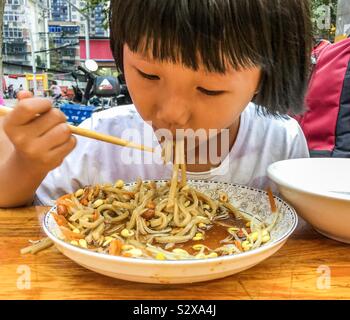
168	133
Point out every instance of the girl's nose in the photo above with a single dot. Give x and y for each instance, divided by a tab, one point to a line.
174	111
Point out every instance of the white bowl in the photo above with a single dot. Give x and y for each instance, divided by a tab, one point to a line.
154	271
319	189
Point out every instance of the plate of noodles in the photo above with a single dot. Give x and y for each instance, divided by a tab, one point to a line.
213	230
175	231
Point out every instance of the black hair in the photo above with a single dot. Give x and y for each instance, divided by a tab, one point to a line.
273	34
53	82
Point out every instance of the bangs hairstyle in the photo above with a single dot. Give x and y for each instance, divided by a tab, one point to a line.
275	35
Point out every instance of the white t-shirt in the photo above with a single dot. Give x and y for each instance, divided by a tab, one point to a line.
261	140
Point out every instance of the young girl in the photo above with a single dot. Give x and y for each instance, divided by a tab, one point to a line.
237	65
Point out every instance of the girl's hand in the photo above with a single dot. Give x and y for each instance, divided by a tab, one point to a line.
38	132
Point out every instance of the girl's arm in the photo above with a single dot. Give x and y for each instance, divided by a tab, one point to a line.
34	139
18	179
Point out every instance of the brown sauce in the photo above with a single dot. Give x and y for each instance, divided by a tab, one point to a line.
213	236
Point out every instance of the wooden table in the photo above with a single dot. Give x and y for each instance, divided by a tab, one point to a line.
298	271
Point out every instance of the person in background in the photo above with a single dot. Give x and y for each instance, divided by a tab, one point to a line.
20	88
10	91
56	90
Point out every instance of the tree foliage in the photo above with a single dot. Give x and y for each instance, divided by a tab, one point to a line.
91	6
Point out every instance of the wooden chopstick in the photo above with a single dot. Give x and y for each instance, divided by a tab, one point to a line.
95	135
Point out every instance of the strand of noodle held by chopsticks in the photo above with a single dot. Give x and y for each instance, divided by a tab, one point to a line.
179	163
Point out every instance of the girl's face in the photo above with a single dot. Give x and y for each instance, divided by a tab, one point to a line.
172	96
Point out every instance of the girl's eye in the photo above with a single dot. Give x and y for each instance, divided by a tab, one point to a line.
210	92
148	76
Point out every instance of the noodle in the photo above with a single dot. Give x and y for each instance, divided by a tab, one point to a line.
38	246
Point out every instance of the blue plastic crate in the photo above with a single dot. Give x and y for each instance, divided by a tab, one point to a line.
76	113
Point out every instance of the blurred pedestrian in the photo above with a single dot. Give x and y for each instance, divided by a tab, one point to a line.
10	91
56	90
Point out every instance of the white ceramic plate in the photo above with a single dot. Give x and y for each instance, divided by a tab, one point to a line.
153	271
